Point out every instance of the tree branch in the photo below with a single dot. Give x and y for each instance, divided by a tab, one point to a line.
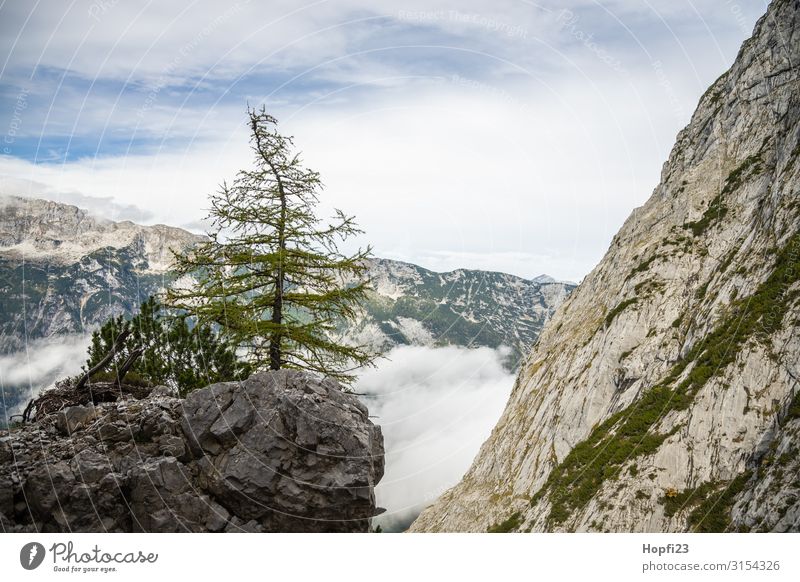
102	363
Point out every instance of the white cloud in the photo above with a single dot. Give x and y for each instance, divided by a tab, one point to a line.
144	42
435	406
521	153
454	167
41	363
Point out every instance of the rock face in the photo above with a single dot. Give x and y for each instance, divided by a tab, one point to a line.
41	230
64	271
280	452
662	395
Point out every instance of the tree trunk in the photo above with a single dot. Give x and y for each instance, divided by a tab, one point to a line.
277	305
277	316
102	363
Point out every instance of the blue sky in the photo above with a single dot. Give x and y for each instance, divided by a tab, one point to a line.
507	135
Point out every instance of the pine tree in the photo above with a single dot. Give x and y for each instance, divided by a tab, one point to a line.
174	352
271	274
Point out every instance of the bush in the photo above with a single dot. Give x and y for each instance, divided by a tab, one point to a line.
176	352
508	525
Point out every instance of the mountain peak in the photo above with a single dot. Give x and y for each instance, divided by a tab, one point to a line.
43	230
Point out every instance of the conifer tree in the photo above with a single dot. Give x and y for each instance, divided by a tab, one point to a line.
271	274
173	352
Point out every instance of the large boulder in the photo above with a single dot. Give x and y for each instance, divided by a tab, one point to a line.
279	452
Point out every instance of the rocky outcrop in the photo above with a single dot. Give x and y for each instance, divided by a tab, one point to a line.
662	395
279	452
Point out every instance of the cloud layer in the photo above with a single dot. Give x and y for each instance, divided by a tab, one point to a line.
40	365
436	406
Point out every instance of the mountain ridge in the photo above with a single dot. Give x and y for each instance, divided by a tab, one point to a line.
84	270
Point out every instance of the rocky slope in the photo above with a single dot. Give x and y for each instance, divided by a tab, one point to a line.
662	395
411	305
56	233
282	451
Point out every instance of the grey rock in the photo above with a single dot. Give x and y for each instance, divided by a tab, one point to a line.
73	418
218	517
6	495
111	432
90	465
6	453
164	392
281	451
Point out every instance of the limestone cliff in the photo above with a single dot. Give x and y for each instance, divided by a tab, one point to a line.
662	395
41	230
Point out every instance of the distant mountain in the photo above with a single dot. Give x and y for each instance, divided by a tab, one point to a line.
63	271
412	305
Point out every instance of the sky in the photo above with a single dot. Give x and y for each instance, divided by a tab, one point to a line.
508	135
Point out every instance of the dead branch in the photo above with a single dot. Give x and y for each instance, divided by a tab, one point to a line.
135	354
102	364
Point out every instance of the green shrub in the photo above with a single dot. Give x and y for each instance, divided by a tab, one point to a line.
713	514
643	266
508	525
675	501
717	210
794	408
175	351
